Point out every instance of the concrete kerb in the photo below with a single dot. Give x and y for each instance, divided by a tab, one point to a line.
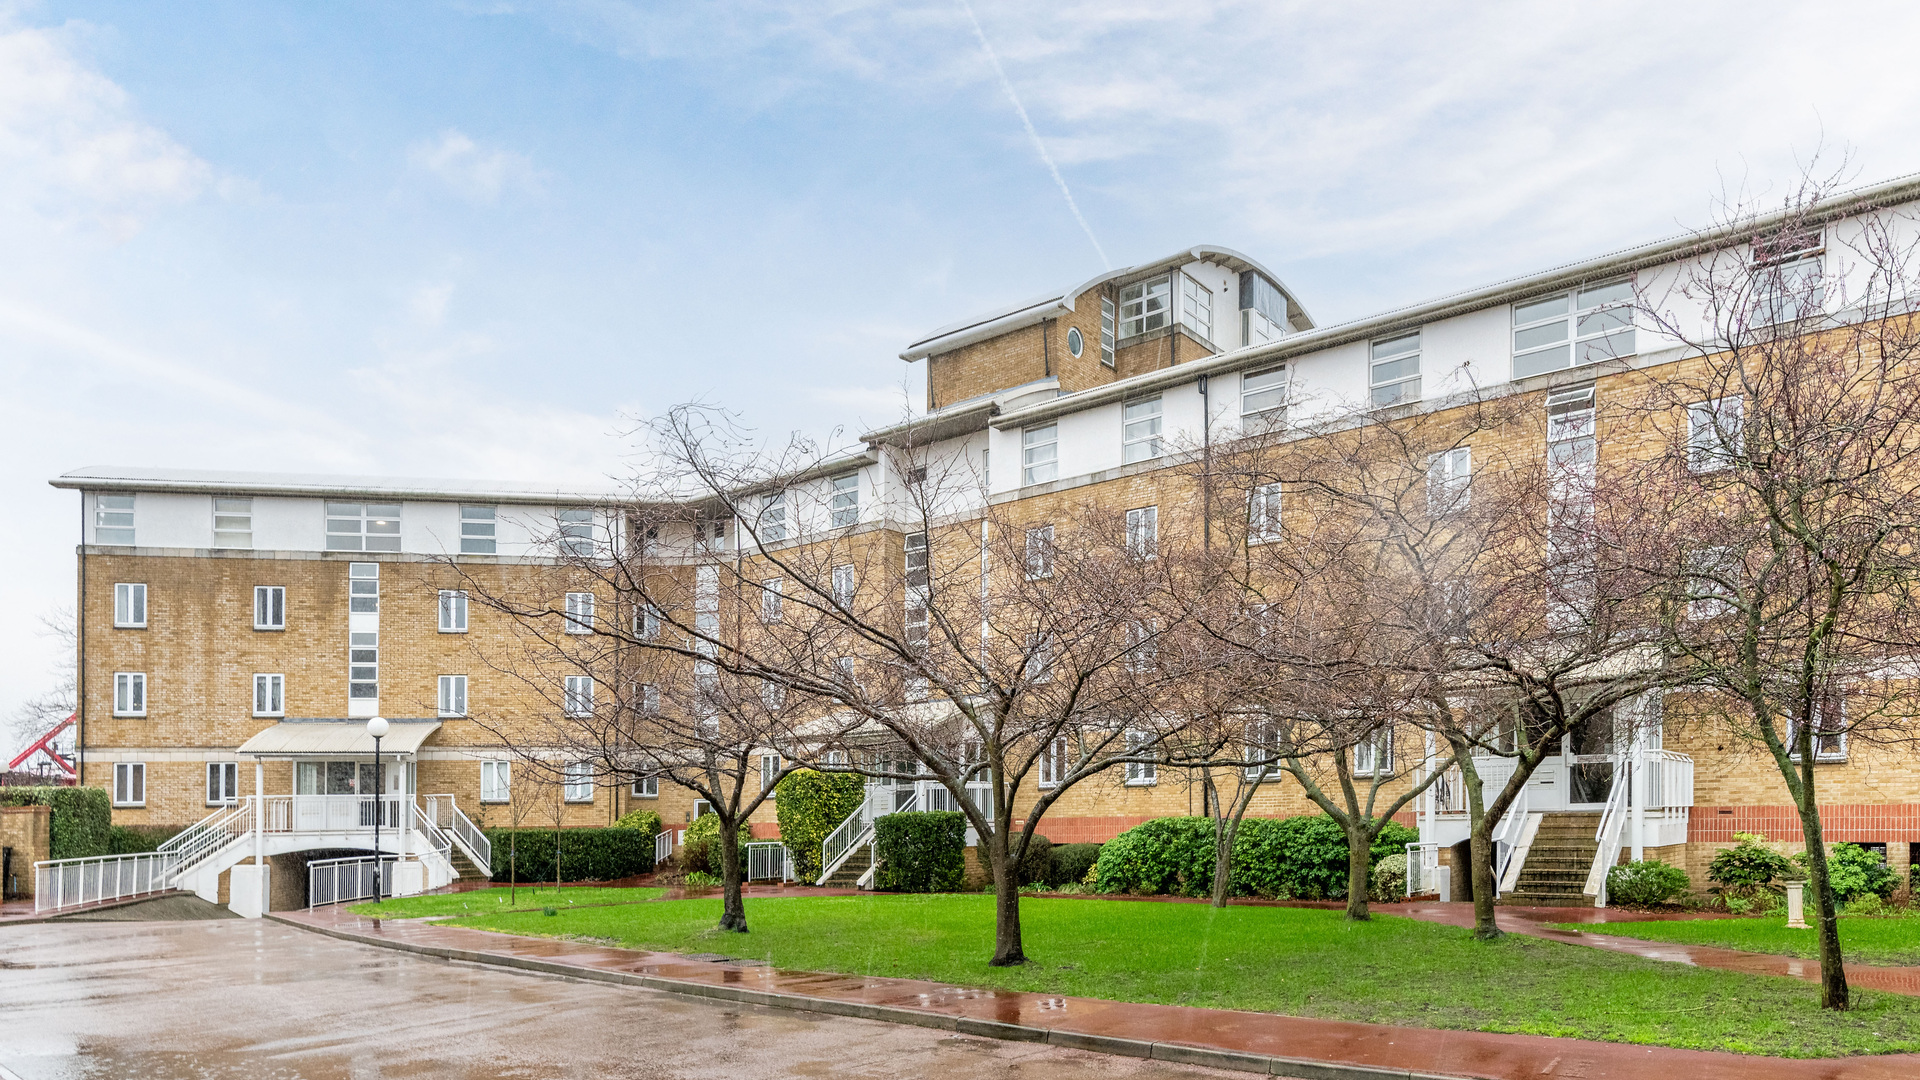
1176	1053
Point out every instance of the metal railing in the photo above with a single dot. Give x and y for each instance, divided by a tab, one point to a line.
1612	822
446	813
768	862
336	881
1668	780
1506	837
663	845
188	849
1423	869
64	883
842	841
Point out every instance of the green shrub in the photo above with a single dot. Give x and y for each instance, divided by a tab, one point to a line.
81	823
1072	863
601	854
1853	873
1390	878
646	821
1165	855
921	851
1646	883
1297	858
700	879
700	847
1747	868
1036	866
134	839
811	805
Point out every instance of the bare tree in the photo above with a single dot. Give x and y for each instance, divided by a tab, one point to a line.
38	714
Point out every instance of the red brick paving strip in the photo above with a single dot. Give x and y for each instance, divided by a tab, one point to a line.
1247	1041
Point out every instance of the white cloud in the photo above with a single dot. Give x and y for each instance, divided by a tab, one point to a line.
477	173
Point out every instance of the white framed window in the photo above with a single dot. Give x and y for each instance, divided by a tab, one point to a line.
1373	755
771	600
844	584
1140	430
232	523
575	533
1053	763
1715	433
916	620
1263	513
843	669
915	560
479	527
1260	749
1573	329
579	695
649	695
1829	730
1789	290
1256	328
113	519
269	695
773	695
496	779
1039	454
129	693
363	587
1106	330
1076	342
579	617
453	611
363	664
129	783
1143	645
772	523
1263	619
269	607
1039	552
1393	370
1263	396
1196	307
223	783
1145	306
844	505
1143	532
1449	481
706	609
130	605
579	781
646	787
453	695
363	526
1141	773
1263	309
769	773
1039	667
646	621
1711	576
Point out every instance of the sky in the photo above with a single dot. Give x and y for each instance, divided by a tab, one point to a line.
485	239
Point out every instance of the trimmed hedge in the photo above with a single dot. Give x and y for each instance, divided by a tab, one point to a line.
1296	858
810	805
600	854
647	821
1037	864
134	839
1647	882
81	823
700	846
921	851
1072	862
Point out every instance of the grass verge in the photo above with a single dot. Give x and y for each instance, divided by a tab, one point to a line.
1891	940
496	901
1299	962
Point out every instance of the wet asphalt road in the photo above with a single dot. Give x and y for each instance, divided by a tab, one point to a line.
208	1000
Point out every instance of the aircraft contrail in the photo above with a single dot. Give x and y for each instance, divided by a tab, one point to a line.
1039	146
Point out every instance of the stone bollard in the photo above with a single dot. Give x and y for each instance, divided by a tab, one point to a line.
1796	906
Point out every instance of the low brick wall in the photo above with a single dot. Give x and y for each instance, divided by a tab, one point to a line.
28	831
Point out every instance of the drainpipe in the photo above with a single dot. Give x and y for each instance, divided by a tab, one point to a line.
80	673
1046	356
259	823
1206	464
1636	794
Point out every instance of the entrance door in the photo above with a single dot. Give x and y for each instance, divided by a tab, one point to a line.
1589	756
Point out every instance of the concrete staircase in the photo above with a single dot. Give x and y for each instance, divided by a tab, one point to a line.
463	868
849	873
1558	862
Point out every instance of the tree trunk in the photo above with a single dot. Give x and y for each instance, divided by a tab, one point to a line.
1833	974
1481	856
733	910
1222	862
1359	870
1007	949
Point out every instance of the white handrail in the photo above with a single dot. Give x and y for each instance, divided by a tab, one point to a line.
336	881
1612	820
458	825
1506	837
844	839
768	861
65	883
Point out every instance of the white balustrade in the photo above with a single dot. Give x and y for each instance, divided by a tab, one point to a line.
336	881
66	883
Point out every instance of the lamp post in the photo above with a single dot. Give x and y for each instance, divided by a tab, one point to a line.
377	727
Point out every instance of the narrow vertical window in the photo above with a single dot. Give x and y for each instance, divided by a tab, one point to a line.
269	695
129	783
845	504
233	523
1263	513
478	525
1053	763
363	587
269	607
1039	454
579	695
1140	430
113	519
223	783
1143	532
453	611
1393	370
770	600
769	773
1106	330
579	616
1449	481
915	558
495	779
1040	552
453	695
130	605
646	621
363	665
579	781
844	585
129	693
1196	307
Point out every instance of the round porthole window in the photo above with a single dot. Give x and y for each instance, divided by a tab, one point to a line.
1074	341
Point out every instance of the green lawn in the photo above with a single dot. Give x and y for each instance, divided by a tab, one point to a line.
1867	940
495	900
1284	960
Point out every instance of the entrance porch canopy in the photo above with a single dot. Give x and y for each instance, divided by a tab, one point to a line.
336	738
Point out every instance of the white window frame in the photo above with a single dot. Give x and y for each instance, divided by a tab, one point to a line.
1389	382
649	699
1786	283
1258	743
579	613
1039	668
233	523
771	600
269	607
913	560
1040	552
646	787
1141	773
844	502
363	642
770	773
1263	395
130	693
269	694
113	521
1108	326
577	782
771	526
1053	763
1263	513
646	621
577	696
223	783
1710	598
1373	755
1076	342
479	530
453	611
773	695
363	588
1449	481
845	585
373	528
1573	329
1196	307
1716	433
1146	306
453	695
573	532
129	605
1838	735
1143	645
1143	532
1141	423
1039	454
496	781
129	783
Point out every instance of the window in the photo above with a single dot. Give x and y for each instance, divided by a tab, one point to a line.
223	783
772	523
1714	433
130	605
1141	773
129	693
453	695
845	504
1076	344
1573	329
649	699
1373	754
453	611
269	607
363	664
495	781
1039	658
269	695
1196	306
1143	648
1712	577
706	609
1263	513
363	587
1263	396
579	695
579	616
1040	552
1393	370
769	773
1143	532
770	600
1829	730
233	523
477	530
916	623
579	781
773	695
916	560
363	527
646	621
1140	430
1449	481
1053	763
646	787
843	585
1039	454
1144	306
1263	310
1789	290
1260	748
576	532
113	520
843	668
1106	330
129	783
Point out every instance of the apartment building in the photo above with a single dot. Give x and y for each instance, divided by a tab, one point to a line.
239	625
